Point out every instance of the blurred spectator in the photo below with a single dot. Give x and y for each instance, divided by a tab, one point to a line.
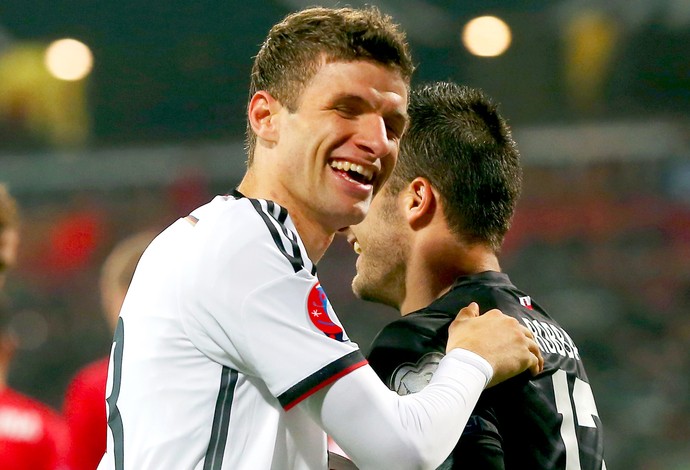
32	435
9	233
84	406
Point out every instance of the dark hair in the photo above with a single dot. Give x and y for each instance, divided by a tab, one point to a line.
462	145
295	48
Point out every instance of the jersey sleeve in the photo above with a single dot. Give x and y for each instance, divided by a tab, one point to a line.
294	340
414	431
250	300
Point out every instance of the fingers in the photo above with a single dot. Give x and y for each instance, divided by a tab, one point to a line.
537	361
538	364
471	311
466	313
527	332
508	346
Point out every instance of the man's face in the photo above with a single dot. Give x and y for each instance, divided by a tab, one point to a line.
381	243
9	241
341	144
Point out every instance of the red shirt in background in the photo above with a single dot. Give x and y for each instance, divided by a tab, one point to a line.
85	414
33	436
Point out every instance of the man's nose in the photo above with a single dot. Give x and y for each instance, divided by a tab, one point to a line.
373	136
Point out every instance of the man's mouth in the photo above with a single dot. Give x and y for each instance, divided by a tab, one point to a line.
352	239
353	171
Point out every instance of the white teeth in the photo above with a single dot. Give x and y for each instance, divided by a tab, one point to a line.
358	249
347	166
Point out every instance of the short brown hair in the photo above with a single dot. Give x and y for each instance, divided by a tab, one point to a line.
294	49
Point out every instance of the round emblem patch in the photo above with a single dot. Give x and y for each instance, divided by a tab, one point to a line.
317	310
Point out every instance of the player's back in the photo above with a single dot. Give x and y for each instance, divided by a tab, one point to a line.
546	422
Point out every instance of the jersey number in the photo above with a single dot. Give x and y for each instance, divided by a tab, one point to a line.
114	418
582	402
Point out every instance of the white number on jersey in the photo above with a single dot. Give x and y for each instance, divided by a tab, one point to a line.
582	401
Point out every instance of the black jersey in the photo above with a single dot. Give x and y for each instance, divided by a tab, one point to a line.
544	422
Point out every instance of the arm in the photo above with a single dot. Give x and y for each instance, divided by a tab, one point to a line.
414	431
420	430
405	355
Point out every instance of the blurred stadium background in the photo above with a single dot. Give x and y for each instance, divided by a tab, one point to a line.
597	93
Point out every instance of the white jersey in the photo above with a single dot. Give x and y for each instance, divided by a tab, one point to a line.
224	329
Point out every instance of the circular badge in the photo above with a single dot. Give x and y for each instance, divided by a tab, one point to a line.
317	310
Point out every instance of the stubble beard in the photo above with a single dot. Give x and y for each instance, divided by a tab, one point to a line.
376	291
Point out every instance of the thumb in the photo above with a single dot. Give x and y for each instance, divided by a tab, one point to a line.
471	311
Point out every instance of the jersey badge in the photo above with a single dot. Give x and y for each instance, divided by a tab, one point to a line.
317	310
526	302
411	378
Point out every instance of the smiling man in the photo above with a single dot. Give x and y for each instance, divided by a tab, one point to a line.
227	353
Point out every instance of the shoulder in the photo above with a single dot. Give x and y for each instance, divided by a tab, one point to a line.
491	290
253	230
226	219
94	370
424	324
90	378
27	406
407	351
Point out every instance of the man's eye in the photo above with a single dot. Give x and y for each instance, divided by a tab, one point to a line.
394	131
345	110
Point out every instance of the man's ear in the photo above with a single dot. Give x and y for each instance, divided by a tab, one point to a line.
262	113
420	202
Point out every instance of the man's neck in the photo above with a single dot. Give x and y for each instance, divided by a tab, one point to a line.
315	238
431	275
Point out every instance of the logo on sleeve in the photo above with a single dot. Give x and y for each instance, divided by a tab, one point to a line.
317	310
411	378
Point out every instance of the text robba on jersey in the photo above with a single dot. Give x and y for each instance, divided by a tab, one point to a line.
552	339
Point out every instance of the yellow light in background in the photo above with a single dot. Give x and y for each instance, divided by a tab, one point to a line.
69	59
32	100
591	40
486	36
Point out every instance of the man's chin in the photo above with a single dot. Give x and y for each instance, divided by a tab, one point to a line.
368	293
363	291
356	288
